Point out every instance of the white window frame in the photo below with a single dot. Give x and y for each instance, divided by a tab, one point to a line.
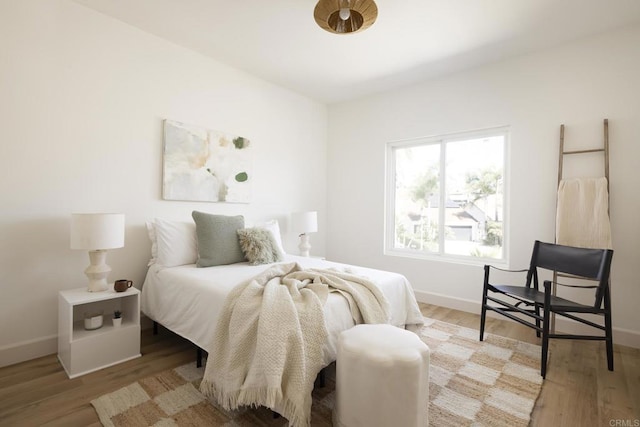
390	202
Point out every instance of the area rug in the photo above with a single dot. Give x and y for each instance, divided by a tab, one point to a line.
471	383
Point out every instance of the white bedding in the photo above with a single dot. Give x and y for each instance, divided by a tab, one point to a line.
188	300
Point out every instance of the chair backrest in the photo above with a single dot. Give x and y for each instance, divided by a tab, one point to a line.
594	264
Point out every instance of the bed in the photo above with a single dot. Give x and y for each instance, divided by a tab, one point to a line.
188	300
191	301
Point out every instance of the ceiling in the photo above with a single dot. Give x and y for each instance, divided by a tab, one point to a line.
412	40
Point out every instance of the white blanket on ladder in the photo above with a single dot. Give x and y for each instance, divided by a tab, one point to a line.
583	213
271	333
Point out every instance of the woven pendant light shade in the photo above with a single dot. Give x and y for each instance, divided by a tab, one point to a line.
363	14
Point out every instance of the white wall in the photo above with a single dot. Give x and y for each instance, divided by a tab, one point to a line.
578	84
82	99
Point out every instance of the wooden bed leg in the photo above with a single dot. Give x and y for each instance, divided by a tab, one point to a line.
155	328
198	357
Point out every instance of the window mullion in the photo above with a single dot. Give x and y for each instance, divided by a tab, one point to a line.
391	199
443	208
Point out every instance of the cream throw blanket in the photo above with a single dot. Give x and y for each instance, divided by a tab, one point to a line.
583	217
270	337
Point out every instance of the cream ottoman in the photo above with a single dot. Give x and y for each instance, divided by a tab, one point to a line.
382	378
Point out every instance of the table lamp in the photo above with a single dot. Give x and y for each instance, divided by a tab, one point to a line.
97	233
304	223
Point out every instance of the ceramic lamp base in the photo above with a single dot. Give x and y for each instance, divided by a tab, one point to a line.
97	271
304	246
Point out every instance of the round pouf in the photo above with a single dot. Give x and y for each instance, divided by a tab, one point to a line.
382	378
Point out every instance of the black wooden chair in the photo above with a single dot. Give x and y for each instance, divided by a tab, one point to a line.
593	264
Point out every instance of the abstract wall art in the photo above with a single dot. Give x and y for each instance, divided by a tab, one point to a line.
205	165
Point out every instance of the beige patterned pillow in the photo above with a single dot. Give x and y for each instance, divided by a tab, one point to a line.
259	246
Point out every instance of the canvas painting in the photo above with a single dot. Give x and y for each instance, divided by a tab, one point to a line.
205	165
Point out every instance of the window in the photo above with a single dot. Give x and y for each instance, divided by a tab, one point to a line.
446	196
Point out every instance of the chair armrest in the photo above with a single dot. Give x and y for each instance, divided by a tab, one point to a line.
488	267
504	269
572	286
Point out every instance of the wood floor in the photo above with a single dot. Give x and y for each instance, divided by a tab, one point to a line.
578	391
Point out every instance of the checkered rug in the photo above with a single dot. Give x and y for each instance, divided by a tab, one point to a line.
490	383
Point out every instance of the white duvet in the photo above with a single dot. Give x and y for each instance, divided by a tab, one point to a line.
188	300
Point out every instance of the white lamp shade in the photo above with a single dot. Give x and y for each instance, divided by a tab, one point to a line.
97	231
305	222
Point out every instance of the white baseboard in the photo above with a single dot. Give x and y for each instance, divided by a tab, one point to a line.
27	350
621	336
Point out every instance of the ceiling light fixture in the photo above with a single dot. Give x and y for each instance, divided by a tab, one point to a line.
345	16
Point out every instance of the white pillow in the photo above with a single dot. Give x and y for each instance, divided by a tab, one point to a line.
274	228
151	231
176	242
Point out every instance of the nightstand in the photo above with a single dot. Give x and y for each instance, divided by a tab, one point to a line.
81	351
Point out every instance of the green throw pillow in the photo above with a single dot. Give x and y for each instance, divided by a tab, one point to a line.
217	239
259	246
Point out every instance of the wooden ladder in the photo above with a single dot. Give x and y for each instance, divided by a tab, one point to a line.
562	153
604	149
